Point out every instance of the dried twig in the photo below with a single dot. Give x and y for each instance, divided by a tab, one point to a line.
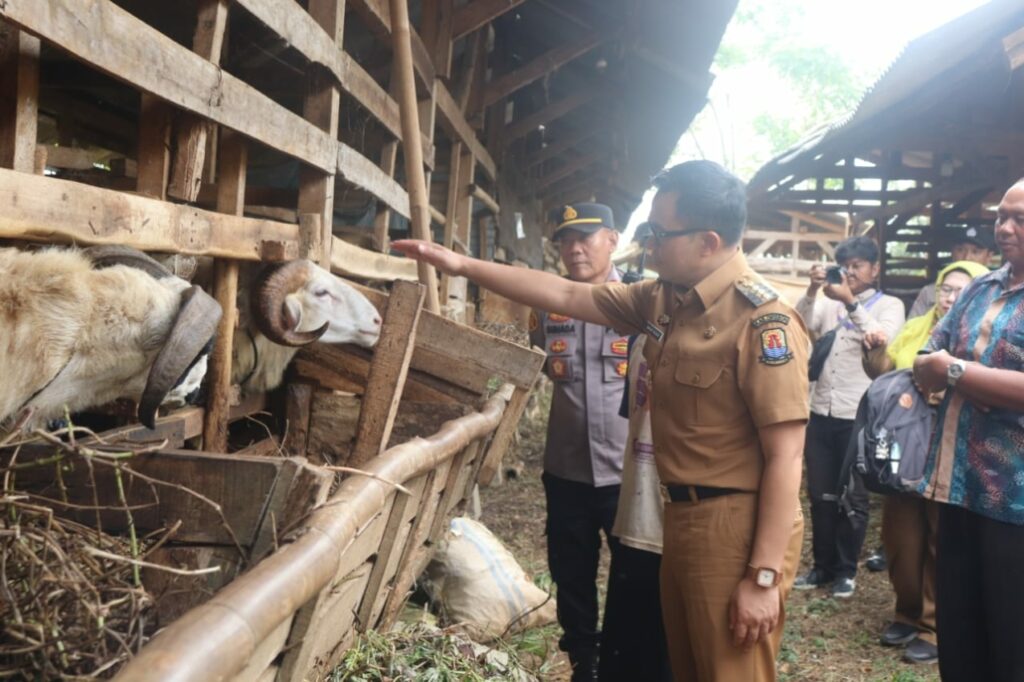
138	563
359	472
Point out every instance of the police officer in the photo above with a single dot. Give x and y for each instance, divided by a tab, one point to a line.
729	371
586	436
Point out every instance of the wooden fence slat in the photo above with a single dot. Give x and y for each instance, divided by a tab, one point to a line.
156	64
392	356
360	171
494	454
387	547
19	98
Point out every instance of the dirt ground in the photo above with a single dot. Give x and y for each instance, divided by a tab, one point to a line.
825	640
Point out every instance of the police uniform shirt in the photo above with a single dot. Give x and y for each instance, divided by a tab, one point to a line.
587	365
727	357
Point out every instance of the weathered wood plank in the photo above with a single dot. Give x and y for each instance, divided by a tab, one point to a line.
151	61
503	434
388	371
548	113
536	68
455	123
360	171
298	401
48	209
19	98
476	13
265	653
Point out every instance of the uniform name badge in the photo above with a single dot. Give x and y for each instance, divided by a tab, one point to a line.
774	347
654	331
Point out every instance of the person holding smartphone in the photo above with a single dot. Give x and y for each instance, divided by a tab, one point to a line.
854	307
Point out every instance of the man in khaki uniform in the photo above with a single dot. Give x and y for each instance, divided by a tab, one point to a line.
729	367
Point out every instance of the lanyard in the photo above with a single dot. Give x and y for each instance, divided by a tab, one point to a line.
845	321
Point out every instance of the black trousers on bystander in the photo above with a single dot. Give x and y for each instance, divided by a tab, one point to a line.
978	597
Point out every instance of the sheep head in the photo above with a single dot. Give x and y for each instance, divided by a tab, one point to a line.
181	363
299	302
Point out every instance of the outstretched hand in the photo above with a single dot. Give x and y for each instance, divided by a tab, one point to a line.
445	260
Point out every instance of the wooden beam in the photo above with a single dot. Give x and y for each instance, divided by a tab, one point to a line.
793	236
503	434
186	175
551	60
926	197
390	366
569	168
562	143
154	63
456	125
377	15
356	169
477	13
352	261
549	113
478	193
19	98
419	200
48	209
230	200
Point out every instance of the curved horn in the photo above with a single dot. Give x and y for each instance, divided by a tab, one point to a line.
268	307
106	256
195	325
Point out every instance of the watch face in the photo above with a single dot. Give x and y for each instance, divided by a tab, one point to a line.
765	577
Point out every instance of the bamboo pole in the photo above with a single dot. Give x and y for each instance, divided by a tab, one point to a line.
419	201
215	640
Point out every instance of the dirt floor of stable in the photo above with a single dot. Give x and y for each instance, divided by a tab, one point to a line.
825	640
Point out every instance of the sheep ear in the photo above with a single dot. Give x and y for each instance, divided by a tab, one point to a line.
196	323
291	313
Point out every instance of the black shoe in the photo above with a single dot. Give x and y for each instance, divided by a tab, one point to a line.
876	562
920	651
843	588
898	634
812	579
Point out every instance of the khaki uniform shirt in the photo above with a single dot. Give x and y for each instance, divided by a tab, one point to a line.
727	357
587	365
843	381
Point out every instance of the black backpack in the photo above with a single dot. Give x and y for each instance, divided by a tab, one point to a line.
891	435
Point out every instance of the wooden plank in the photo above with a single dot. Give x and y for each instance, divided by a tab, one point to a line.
503	434
392	356
563	142
536	68
436	17
266	651
189	160
358	170
548	113
154	156
450	492
298	490
350	260
467	349
456	125
375	582
174	595
230	200
456	289
570	167
481	195
48	210
477	13
452	208
793	236
298	402
377	15
156	64
19	98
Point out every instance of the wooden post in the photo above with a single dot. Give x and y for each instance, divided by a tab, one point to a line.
19	98
298	403
419	201
388	371
154	155
231	200
503	434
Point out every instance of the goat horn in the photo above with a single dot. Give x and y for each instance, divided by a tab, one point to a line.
193	328
106	256
268	307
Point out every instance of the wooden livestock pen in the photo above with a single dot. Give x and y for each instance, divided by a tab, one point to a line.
928	152
246	131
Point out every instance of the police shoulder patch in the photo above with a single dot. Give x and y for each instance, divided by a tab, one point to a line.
756	291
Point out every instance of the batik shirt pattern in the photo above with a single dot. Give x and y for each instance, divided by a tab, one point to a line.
976	459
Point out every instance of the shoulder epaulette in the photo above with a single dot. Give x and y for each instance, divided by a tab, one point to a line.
756	291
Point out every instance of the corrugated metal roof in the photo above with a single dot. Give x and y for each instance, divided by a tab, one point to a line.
924	59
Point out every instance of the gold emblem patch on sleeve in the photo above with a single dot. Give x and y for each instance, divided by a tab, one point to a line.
774	347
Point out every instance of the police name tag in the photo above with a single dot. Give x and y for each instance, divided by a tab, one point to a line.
653	330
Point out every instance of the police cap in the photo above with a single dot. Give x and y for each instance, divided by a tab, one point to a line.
584	217
979	235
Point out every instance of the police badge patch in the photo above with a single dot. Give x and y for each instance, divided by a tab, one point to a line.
558	346
774	347
559	368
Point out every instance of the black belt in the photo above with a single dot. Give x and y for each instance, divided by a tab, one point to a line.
696	493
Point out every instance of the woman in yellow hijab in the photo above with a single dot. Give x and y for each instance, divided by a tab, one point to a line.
909	522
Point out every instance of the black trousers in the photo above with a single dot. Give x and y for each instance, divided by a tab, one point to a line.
837	535
978	597
577	513
633	637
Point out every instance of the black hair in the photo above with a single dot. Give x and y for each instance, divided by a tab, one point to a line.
863	248
710	197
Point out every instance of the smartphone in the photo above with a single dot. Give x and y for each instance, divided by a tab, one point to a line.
834	274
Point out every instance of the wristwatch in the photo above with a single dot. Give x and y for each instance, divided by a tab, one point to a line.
955	370
850	307
764	577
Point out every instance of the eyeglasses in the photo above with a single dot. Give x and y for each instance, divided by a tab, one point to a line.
948	291
650	230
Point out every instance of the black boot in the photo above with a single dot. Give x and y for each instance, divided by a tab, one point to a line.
584	665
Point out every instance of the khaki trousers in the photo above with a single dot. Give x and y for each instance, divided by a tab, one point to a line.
707	549
909	528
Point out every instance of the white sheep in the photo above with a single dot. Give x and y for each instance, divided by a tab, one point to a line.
291	305
80	328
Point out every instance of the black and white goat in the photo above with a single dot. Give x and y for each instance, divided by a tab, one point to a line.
80	328
291	305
